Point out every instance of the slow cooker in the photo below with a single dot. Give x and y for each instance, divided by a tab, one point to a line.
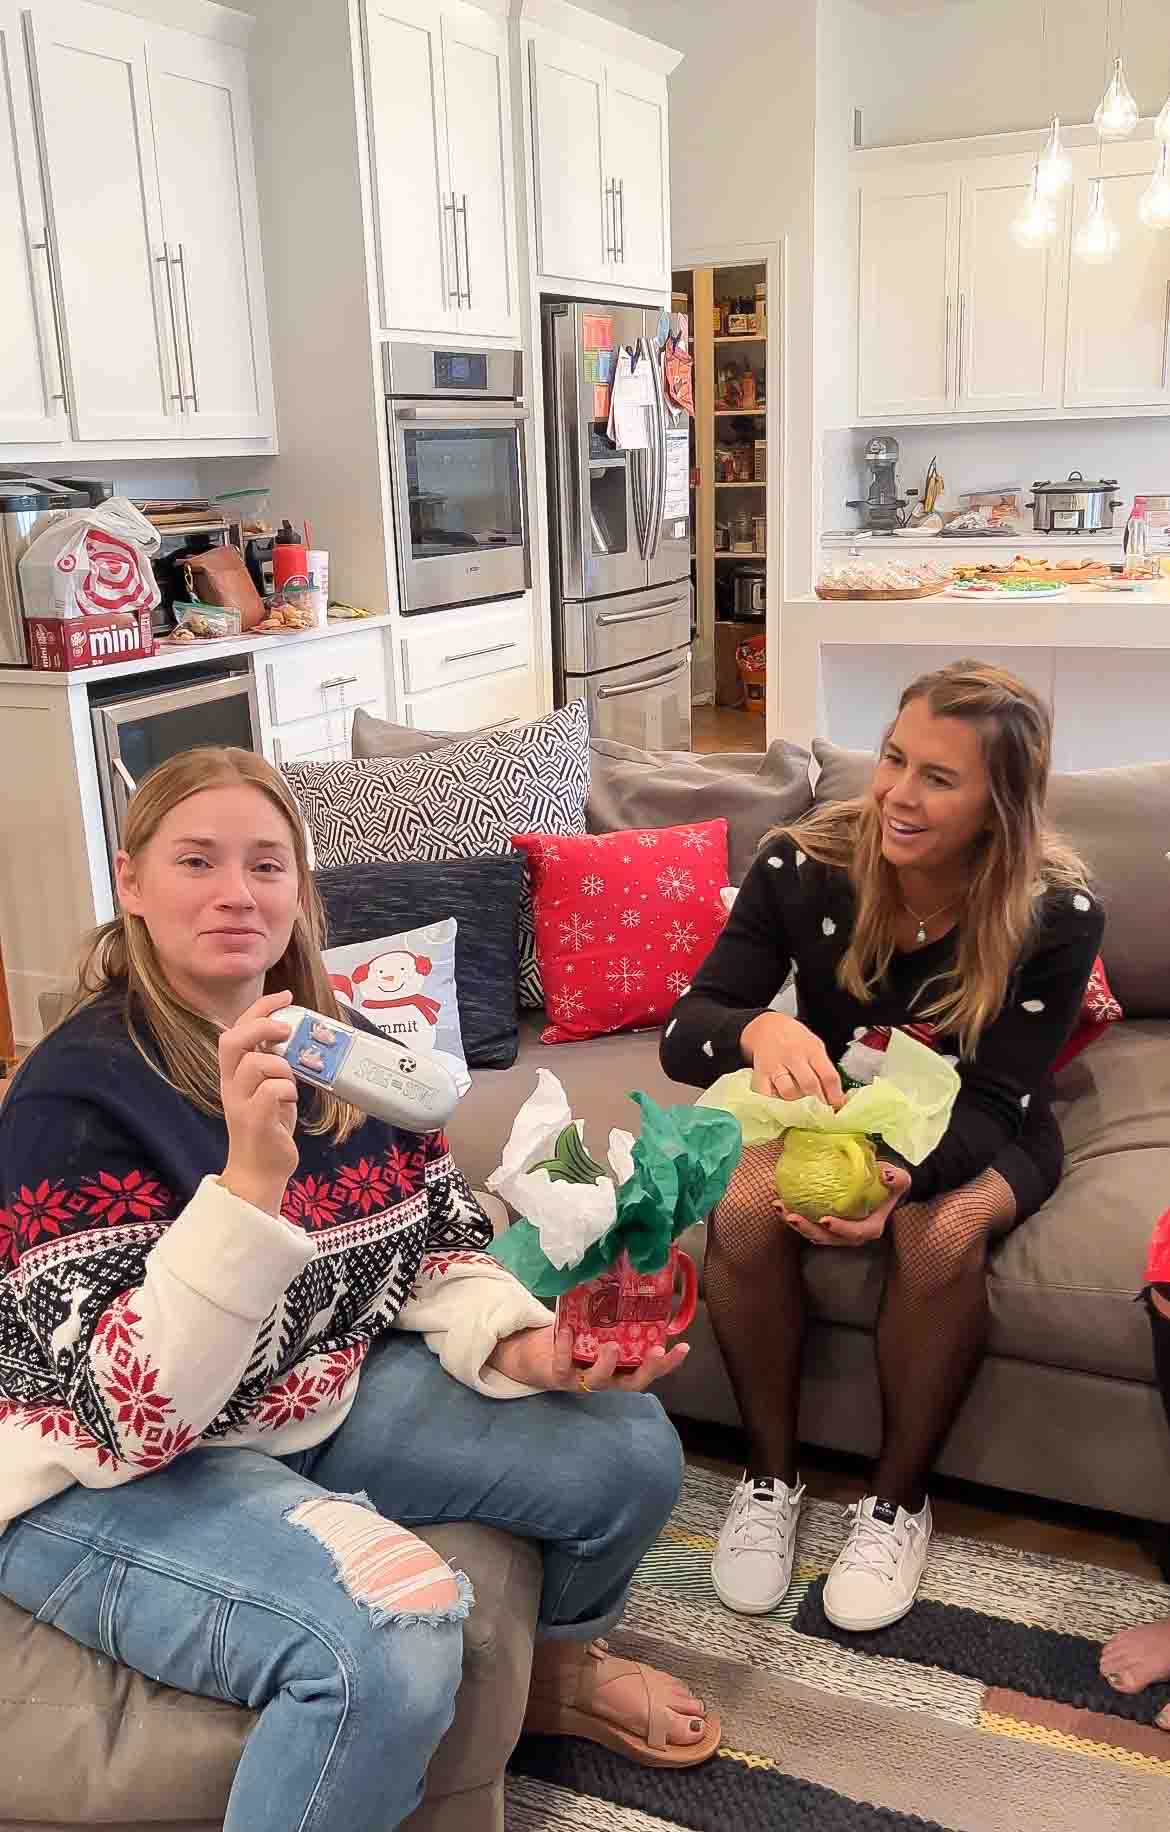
1074	506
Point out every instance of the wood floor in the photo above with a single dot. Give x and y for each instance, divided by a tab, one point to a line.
726	728
1019	1521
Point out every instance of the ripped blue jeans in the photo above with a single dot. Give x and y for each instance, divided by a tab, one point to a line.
243	1577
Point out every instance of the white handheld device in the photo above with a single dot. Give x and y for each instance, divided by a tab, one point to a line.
383	1079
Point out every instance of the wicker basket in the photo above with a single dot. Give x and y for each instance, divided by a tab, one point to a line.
855	597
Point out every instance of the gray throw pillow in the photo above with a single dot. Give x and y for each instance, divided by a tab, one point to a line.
753	792
1119	822
483	895
464	800
374	737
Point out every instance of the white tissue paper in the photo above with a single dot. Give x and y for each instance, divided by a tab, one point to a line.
569	1217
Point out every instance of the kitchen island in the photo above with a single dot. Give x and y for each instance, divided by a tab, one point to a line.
1101	658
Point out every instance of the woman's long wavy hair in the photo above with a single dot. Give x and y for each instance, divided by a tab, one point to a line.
1013	862
120	958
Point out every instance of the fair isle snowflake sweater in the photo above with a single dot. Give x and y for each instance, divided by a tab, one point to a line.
144	1309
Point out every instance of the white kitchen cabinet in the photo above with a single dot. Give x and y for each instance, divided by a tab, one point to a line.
90	67
494	699
211	234
600	152
1119	312
32	386
441	132
1011	300
908	252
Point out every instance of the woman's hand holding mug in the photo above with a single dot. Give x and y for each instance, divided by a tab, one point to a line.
259	1093
788	1060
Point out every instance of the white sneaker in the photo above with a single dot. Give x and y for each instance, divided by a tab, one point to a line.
752	1566
876	1576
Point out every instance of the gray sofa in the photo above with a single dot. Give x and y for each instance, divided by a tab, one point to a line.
1064	1405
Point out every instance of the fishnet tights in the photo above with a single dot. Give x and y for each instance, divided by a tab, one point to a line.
931	1329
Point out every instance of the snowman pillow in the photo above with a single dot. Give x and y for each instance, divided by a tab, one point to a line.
405	984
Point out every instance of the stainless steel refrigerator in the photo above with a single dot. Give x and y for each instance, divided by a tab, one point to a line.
620	534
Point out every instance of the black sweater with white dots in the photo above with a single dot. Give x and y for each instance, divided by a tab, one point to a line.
795	915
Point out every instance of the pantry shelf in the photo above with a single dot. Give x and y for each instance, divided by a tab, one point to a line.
740	340
740	413
741	556
739	483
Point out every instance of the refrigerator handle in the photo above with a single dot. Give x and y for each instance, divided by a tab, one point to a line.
568	494
658	498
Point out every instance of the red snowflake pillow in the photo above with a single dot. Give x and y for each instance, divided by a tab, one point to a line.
1099	1009
622	922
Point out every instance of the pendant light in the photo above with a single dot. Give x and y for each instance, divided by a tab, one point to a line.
1036	223
1117	112
1098	238
1055	167
1154	205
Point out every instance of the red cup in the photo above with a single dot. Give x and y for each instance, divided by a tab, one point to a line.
634	1309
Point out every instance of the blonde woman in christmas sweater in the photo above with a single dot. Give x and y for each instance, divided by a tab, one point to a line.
249	1338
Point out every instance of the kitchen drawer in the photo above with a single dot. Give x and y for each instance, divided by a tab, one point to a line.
494	699
321	677
467	649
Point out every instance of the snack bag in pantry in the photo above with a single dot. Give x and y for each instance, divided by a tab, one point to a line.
89	588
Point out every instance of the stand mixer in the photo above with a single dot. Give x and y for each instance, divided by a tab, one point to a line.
881	507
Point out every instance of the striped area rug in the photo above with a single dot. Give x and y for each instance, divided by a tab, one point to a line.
982	1711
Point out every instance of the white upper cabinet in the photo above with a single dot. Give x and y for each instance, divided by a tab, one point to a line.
600	155
441	132
122	339
908	262
32	387
211	234
1011	303
479	133
1119	312
635	136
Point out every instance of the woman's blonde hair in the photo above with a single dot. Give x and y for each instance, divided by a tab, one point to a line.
1014	860
120	957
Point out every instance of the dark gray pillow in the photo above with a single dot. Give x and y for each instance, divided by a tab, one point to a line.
1119	822
483	895
752	791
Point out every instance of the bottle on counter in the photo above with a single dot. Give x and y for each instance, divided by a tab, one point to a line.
1136	547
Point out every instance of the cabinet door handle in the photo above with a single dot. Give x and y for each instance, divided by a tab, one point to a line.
466	255
193	397
338	680
619	191
57	394
270	676
278	753
163	260
962	338
1166	337
947	350
457	295
610	237
471	655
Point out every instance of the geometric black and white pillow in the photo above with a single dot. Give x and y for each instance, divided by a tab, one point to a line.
465	800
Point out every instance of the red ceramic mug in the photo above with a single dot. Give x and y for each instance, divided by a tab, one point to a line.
634	1309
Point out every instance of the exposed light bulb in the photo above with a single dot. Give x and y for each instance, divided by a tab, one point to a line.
1154	205
1162	124
1117	112
1055	167
1036	223
1098	238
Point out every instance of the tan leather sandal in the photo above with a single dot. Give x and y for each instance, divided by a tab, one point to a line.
562	1703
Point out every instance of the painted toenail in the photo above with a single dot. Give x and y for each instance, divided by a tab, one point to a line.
696	1723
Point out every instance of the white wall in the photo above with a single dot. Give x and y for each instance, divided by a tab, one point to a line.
940	69
987	455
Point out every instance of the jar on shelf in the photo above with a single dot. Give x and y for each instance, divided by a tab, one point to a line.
759	533
741	532
744	463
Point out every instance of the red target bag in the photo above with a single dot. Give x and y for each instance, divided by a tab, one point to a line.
89	588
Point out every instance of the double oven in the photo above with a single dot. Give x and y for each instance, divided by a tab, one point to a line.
457	421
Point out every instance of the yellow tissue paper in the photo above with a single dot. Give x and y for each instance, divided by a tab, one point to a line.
908	1104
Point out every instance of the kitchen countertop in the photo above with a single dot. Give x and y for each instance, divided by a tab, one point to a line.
839	537
1082	614
187	654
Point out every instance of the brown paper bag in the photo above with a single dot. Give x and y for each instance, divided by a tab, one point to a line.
220	577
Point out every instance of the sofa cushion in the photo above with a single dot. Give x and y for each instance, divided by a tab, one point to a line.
483	896
374	737
1119	821
98	1743
597	1077
752	792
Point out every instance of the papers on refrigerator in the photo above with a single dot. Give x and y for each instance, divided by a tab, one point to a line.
631	403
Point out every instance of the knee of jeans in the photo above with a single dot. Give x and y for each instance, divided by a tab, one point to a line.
388	1572
649	1483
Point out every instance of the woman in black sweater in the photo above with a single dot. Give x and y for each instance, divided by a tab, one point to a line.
937	902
